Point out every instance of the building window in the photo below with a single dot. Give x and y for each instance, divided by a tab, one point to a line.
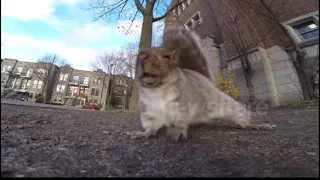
86	80
60	88
19	69
83	91
95	92
73	90
63	77
28	83
24	84
63	87
307	30
184	5
29	72
8	68
57	98
179	10
43	71
34	85
37	84
194	21
97	80
75	79
4	68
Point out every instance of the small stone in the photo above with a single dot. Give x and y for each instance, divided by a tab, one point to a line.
19	175
20	126
106	132
311	153
83	171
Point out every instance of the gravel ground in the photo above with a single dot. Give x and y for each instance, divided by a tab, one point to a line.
44	142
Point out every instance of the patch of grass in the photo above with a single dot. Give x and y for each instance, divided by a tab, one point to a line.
312	102
112	110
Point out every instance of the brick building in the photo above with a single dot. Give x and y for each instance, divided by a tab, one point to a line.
275	79
70	87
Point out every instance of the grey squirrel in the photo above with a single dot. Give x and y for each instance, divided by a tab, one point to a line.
174	97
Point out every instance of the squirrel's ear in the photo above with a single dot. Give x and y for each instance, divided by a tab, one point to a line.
174	56
170	55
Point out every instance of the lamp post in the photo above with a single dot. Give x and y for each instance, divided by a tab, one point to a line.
105	104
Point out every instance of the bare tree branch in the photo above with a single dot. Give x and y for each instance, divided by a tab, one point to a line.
45	69
168	11
140	7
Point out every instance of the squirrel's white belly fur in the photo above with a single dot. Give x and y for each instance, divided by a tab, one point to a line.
187	98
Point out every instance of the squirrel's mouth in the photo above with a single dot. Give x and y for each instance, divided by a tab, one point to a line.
150	80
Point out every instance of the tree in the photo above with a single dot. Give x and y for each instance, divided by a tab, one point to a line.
46	69
148	9
129	53
109	62
230	25
267	9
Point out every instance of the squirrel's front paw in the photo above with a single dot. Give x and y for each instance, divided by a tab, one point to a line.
266	127
175	133
139	134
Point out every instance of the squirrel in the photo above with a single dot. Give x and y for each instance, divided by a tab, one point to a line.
175	97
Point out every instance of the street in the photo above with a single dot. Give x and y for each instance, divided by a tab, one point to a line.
53	142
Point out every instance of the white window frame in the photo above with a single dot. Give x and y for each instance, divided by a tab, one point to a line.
39	85
58	89
184	6
63	88
4	68
34	84
19	70
43	71
290	24
194	23
28	83
86	80
63	76
29	72
76	79
60	98
179	10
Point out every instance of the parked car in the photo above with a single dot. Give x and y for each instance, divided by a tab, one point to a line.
21	96
91	106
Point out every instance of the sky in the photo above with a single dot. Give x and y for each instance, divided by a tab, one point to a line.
32	28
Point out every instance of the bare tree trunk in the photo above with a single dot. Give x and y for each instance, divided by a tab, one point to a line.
145	42
248	73
44	92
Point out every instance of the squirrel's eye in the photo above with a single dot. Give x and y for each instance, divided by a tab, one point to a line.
166	56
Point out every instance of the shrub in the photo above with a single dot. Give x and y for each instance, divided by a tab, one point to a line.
227	84
99	105
39	98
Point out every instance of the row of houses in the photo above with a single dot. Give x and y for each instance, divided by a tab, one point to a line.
269	50
66	85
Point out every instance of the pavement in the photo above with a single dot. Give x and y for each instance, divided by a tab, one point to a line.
56	142
33	104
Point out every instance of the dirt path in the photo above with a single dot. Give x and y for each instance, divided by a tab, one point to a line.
38	141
